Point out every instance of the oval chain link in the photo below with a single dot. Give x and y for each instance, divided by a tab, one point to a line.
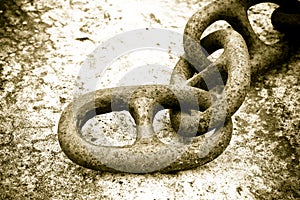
203	128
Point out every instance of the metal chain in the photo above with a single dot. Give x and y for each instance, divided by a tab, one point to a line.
261	55
200	105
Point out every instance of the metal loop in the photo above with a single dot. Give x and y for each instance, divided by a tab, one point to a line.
235	13
235	63
260	55
142	156
199	102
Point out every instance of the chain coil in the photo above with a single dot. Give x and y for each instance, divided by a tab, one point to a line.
197	98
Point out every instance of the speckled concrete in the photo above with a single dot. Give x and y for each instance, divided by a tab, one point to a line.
41	54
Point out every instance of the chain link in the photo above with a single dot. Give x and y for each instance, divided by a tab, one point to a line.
200	104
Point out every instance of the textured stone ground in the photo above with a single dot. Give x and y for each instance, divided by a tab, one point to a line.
43	44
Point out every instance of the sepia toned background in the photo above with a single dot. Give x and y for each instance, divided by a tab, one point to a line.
43	44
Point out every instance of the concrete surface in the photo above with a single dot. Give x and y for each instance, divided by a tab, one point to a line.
43	44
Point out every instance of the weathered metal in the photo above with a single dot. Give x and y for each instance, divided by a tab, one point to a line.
202	97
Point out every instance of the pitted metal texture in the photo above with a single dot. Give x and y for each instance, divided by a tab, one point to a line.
202	97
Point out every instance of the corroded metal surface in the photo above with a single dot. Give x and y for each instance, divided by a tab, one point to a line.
261	56
40	56
148	153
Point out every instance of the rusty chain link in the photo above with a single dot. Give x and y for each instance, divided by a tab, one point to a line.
200	104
